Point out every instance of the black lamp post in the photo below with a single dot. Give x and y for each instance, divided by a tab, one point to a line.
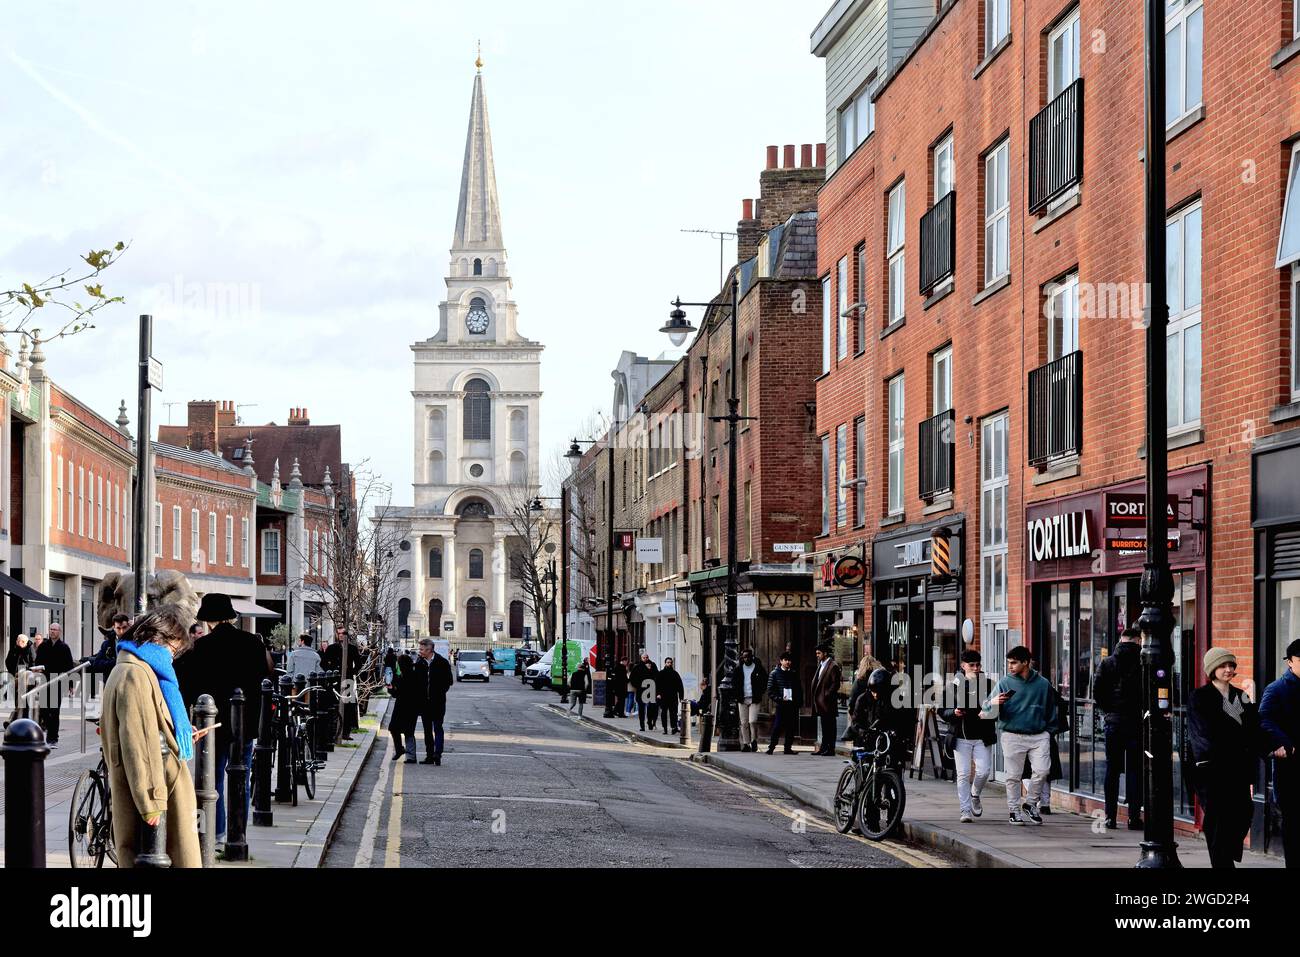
573	455
677	329
1156	622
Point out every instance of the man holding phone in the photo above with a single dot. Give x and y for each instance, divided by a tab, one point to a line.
1025	708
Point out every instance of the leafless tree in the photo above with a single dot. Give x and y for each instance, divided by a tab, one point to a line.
532	530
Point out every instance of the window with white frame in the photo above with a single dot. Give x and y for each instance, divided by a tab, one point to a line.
270	551
897	266
92	519
994	483
896	444
997	215
212	538
230	540
841	476
194	534
1184	38
826	481
944	171
72	492
177	533
1288	242
1063	55
942	380
997	23
1183	340
860	254
157	529
1062	306
860	471
59	476
1295	333
99	507
842	310
243	543
857	120
81	500
827	306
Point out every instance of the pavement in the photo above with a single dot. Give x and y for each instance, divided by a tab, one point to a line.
930	819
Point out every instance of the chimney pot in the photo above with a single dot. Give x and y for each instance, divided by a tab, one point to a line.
771	157
805	156
787	160
747	207
821	154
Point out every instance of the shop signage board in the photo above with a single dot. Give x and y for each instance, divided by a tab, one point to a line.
1129	509
768	601
850	572
650	551
746	607
788	548
1059	536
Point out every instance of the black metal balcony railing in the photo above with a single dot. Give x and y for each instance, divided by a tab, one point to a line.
938	447
1056	409
1056	147
938	242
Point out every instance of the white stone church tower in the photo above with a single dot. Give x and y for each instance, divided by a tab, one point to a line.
477	396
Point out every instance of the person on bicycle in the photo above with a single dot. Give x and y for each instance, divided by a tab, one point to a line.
142	700
878	710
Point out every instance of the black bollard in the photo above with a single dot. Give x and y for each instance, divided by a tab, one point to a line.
283	762
335	723
236	784
205	781
151	839
24	751
321	739
263	755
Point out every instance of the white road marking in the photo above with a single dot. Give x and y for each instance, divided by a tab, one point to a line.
366	852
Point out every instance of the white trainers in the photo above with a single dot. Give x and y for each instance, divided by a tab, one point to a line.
966	817
976	807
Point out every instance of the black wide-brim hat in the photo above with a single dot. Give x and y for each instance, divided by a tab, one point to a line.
216	607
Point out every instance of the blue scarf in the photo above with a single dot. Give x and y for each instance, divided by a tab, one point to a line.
159	658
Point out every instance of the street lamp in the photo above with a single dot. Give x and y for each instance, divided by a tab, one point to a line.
1156	622
573	455
677	328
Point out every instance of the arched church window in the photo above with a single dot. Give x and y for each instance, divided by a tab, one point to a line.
437	426
518	426
478	267
478	411
437	468
435	563
476	563
475	508
403	612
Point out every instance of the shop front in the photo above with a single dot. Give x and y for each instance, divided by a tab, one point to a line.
1275	517
917	614
840	579
1084	558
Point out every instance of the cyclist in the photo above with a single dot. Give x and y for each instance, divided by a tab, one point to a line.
881	710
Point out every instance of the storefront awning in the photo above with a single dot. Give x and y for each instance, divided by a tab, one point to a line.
26	594
248	609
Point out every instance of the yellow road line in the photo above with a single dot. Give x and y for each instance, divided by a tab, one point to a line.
392	852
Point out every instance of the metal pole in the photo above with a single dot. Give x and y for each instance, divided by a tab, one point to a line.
564	547
1158	847
24	751
263	753
283	758
205	782
142	471
609	578
236	784
728	718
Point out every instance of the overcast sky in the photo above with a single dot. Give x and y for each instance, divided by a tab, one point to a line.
287	174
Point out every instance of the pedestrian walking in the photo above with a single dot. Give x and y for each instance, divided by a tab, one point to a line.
580	686
1223	732
643	686
1026	708
143	700
303	660
21	655
826	698
431	675
1279	719
749	682
405	693
221	660
973	733
1117	691
616	687
53	659
787	698
671	692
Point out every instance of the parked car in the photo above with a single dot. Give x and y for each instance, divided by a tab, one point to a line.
538	674
473	664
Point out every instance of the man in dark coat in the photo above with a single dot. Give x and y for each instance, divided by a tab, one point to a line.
20	656
616	686
1117	690
221	661
55	657
431	677
786	692
1279	720
671	691
643	679
401	720
826	697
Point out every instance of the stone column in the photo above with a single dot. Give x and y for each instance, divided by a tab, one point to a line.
499	575
419	569
450	574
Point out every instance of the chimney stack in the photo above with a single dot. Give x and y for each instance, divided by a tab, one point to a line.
805	155
821	155
298	416
771	157
748	230
787	160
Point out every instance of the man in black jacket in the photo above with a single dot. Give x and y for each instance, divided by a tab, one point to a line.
973	732
786	692
643	682
749	679
55	657
1117	691
671	692
221	661
431	677
616	687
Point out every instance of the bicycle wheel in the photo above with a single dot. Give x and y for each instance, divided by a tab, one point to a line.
846	800
881	808
309	768
88	822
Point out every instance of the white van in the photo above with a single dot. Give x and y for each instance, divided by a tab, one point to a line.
538	674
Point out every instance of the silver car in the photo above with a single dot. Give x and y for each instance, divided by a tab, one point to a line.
473	664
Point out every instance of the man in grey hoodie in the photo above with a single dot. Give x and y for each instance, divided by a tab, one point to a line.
1026	708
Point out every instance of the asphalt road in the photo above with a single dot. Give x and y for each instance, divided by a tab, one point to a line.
524	786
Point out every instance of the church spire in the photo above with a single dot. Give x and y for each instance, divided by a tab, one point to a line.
478	218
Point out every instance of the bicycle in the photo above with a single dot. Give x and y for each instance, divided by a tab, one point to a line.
870	791
302	752
90	817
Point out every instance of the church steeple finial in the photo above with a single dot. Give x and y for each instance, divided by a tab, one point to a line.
478	60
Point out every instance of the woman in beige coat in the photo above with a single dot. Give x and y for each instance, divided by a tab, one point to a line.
142	701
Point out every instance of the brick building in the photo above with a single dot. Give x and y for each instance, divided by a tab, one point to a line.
992	223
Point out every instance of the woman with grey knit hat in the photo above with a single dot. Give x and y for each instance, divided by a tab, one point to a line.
1223	730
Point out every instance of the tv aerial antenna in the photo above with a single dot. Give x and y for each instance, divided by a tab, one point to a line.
721	236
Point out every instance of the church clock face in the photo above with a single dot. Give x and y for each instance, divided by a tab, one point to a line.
476	321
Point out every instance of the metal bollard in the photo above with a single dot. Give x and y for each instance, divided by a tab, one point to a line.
684	723
24	752
283	762
335	716
706	731
322	741
205	782
236	784
151	840
263	755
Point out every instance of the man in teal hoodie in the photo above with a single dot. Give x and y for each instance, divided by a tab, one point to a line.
1026	708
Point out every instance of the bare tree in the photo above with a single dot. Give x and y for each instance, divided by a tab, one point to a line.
532	530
